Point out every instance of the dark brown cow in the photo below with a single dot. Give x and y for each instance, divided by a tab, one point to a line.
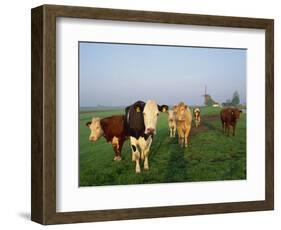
112	129
229	117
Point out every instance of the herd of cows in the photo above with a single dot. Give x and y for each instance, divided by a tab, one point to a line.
139	125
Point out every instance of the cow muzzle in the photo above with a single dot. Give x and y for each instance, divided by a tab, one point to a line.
150	131
92	138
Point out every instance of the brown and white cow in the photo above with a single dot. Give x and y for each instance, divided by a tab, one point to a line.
112	129
172	123
229	117
184	121
197	116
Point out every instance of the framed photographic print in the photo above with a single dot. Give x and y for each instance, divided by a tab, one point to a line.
141	114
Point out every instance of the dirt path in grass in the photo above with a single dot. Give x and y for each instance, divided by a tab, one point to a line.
203	127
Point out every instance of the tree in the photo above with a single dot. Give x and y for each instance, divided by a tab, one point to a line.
235	98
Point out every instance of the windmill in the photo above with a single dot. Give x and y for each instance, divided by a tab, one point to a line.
207	98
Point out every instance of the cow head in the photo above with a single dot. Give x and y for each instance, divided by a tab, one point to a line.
171	115
236	114
180	111
196	112
96	129
150	111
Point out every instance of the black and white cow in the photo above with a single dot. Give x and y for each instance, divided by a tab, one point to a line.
141	121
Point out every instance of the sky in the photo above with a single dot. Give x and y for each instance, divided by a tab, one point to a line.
120	74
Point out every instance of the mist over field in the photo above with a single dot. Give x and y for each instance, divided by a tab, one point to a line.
113	75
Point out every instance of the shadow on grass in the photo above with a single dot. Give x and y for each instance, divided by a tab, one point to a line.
176	168
211	126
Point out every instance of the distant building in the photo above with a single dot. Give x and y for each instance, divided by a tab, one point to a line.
208	100
216	105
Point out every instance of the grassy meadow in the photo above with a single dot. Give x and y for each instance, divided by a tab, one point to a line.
211	155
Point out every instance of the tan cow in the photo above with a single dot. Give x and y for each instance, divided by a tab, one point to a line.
172	123
184	121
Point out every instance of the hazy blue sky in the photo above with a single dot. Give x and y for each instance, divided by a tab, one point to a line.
120	74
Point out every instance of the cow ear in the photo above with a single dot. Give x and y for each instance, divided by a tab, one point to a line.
138	107
163	108
185	106
88	123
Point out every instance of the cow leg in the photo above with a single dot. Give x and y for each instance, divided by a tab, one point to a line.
146	153
134	149
181	137
174	132
228	129
187	135
171	132
119	149
116	147
234	127
143	145
182	141
135	153
146	166
138	165
142	155
115	152
137	160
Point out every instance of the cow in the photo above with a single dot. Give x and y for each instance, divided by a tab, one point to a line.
172	123
112	129
184	121
197	117
229	117
141	121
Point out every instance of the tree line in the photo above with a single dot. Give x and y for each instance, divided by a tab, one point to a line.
234	101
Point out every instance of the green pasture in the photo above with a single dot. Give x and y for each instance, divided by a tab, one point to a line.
211	155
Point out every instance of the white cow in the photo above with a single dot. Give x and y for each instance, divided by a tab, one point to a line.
172	123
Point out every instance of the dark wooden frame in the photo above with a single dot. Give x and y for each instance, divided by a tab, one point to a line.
43	160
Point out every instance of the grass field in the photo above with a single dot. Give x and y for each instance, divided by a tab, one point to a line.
211	155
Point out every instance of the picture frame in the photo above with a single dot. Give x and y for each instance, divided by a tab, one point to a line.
43	159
